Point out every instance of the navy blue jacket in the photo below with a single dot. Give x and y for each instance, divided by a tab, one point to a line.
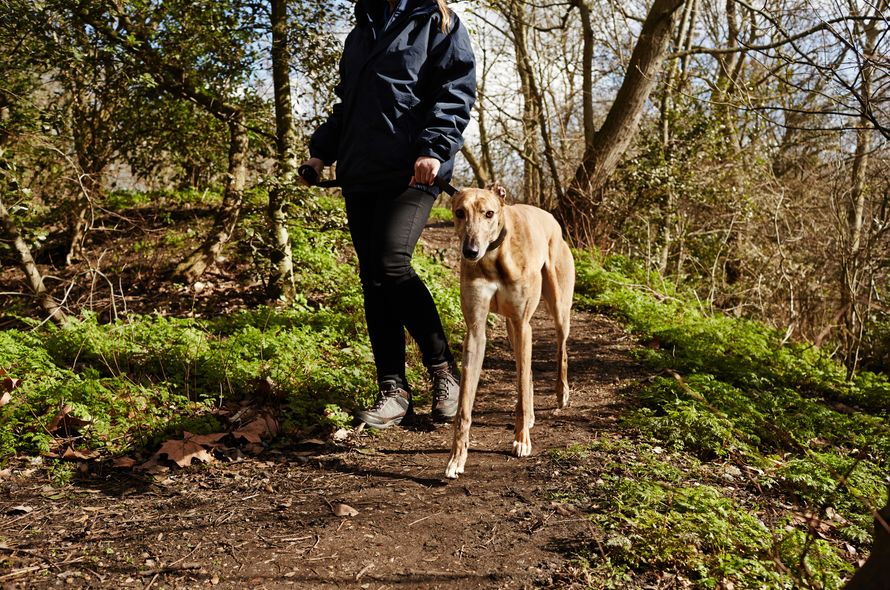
404	93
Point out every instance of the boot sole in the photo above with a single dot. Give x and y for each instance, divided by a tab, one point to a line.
388	424
442	418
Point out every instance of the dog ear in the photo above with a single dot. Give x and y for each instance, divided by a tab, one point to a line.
499	190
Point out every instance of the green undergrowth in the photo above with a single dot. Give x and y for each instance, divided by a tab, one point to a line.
132	382
798	439
661	515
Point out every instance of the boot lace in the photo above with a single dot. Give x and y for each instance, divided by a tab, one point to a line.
387	392
443	379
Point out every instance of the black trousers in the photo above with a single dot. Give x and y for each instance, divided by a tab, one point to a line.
385	226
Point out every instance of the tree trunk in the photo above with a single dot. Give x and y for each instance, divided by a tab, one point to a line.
728	70
534	117
80	222
586	70
487	162
602	152
674	78
480	173
531	177
852	280
227	216
281	279
26	261
91	129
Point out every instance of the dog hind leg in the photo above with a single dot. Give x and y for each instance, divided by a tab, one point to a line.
566	276
558	288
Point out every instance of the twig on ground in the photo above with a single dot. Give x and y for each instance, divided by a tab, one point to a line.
22	571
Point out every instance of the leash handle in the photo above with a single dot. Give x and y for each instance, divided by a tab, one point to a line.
309	174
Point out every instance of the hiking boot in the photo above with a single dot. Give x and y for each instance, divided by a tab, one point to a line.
393	403
446	390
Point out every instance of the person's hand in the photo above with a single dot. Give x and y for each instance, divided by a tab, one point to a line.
425	170
314	163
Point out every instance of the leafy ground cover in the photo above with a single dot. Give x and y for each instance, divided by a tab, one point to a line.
741	460
106	388
755	463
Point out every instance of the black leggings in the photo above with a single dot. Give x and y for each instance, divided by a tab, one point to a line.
385	226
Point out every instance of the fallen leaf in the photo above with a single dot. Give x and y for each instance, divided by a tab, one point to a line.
8	384
263	426
813	521
73	454
152	466
20	510
344	510
183	451
57	419
4	399
123	462
206	439
254	448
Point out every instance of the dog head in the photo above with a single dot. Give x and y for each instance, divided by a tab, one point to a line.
478	219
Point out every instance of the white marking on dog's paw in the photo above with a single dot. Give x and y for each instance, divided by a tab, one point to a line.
522	449
453	469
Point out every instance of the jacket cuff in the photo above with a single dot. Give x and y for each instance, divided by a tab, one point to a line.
439	152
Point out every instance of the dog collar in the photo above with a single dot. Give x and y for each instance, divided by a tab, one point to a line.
498	240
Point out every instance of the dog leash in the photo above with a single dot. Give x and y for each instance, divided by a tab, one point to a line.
309	174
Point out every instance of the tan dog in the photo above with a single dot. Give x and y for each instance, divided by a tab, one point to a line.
512	255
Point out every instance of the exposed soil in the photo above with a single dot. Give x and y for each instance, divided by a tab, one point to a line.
270	521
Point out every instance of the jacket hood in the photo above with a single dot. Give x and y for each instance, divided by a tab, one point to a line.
412	8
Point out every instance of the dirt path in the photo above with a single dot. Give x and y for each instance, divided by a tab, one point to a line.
271	523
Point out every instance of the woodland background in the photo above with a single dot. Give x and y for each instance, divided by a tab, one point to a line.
735	155
744	152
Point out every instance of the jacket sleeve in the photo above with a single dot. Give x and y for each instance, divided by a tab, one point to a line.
453	83
325	142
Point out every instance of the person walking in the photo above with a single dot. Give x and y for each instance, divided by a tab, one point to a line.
407	85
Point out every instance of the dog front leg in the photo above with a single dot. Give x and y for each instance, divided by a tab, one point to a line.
512	332
525	414
474	352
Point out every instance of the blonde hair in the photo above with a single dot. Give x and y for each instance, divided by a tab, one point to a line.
446	15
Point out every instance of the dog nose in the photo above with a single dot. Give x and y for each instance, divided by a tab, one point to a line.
470	251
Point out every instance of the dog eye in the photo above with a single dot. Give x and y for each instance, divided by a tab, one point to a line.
460	214
489	214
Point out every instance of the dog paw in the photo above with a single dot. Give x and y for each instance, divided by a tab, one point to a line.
563	398
453	469
521	449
